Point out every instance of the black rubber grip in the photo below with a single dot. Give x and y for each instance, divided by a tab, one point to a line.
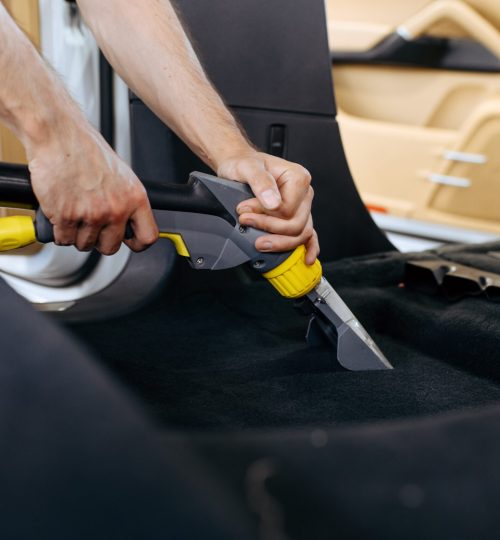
43	228
15	188
45	231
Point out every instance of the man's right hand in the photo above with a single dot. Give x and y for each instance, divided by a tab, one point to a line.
87	192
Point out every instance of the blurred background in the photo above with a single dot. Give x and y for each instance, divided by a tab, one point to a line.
418	90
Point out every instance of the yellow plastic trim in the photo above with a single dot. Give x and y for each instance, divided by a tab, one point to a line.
294	278
179	244
16	232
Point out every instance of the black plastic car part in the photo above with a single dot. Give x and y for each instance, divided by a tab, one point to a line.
425	52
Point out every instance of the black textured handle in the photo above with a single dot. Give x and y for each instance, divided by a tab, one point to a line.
43	228
45	231
193	197
15	187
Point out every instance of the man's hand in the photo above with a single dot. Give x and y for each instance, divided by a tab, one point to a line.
84	189
282	205
160	66
88	193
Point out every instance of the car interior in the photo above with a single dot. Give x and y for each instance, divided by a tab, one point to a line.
417	82
188	401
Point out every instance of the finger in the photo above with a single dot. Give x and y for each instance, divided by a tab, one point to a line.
86	236
144	227
110	239
279	243
293	180
250	206
65	235
276	225
312	249
293	191
262	183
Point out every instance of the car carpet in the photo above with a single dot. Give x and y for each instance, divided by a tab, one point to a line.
312	451
216	353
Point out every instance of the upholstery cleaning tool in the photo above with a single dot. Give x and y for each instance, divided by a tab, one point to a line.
200	218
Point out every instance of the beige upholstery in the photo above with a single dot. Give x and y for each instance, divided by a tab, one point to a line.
409	132
358	25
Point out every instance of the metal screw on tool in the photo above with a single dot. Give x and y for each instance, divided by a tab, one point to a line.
200	261
258	264
243	229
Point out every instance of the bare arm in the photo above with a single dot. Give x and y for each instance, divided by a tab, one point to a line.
87	192
147	46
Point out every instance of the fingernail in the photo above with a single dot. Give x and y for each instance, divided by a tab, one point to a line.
270	198
266	246
244	210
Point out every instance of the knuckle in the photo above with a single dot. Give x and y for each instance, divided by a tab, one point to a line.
139	194
309	231
287	212
306	175
67	218
116	215
302	177
151	239
93	216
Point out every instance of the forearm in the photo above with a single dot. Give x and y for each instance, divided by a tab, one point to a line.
33	102
145	43
157	61
87	193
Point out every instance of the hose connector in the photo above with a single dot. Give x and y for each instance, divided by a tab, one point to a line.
294	278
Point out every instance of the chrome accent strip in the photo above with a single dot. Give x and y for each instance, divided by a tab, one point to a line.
465	157
455	181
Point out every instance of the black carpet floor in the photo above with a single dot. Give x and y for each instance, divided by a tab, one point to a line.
308	450
216	353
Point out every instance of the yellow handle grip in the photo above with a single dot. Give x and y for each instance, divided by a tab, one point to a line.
16	232
294	278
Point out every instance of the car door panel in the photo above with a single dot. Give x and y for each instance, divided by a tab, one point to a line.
360	25
421	126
